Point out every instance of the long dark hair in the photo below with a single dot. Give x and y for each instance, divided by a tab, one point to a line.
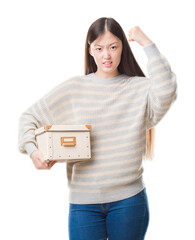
128	64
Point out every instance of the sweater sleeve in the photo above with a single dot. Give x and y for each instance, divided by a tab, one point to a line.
162	90
37	115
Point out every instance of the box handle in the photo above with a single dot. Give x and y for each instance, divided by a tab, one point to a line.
68	141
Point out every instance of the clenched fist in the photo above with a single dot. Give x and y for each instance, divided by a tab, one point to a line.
136	34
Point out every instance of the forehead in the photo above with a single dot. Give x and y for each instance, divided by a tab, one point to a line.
106	39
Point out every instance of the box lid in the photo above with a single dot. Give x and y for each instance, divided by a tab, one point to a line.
61	128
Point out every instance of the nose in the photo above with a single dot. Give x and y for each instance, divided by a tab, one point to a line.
106	54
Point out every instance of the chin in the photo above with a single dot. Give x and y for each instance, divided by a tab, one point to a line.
108	70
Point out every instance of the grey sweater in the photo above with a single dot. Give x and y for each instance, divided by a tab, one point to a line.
120	109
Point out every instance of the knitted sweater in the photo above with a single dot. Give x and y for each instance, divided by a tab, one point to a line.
120	109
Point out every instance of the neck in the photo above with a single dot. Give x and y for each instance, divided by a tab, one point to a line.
106	75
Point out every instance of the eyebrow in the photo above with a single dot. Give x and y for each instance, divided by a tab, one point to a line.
101	45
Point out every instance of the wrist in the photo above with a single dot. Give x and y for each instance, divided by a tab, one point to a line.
30	147
147	43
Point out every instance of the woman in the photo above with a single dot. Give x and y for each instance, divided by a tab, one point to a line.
108	196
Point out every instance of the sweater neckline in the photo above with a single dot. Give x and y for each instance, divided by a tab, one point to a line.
111	80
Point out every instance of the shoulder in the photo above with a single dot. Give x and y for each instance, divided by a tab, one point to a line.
76	79
136	78
68	82
138	82
66	85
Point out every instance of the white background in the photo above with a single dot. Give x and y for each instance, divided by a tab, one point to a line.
41	45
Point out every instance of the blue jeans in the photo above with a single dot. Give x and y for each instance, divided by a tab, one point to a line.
125	219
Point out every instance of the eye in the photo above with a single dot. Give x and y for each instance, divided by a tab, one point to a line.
98	48
113	46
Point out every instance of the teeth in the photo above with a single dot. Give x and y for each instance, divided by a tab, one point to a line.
107	62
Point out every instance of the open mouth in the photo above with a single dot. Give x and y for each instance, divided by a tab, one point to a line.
108	64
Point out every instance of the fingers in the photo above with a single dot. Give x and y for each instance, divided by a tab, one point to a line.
45	164
39	161
41	165
130	35
42	162
50	164
134	33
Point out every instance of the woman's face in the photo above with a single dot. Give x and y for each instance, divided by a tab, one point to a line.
106	48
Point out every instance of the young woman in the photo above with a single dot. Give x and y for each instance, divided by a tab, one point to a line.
108	196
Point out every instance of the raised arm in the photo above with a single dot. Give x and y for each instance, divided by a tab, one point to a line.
162	91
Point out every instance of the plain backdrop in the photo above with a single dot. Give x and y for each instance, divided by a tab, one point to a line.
41	45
